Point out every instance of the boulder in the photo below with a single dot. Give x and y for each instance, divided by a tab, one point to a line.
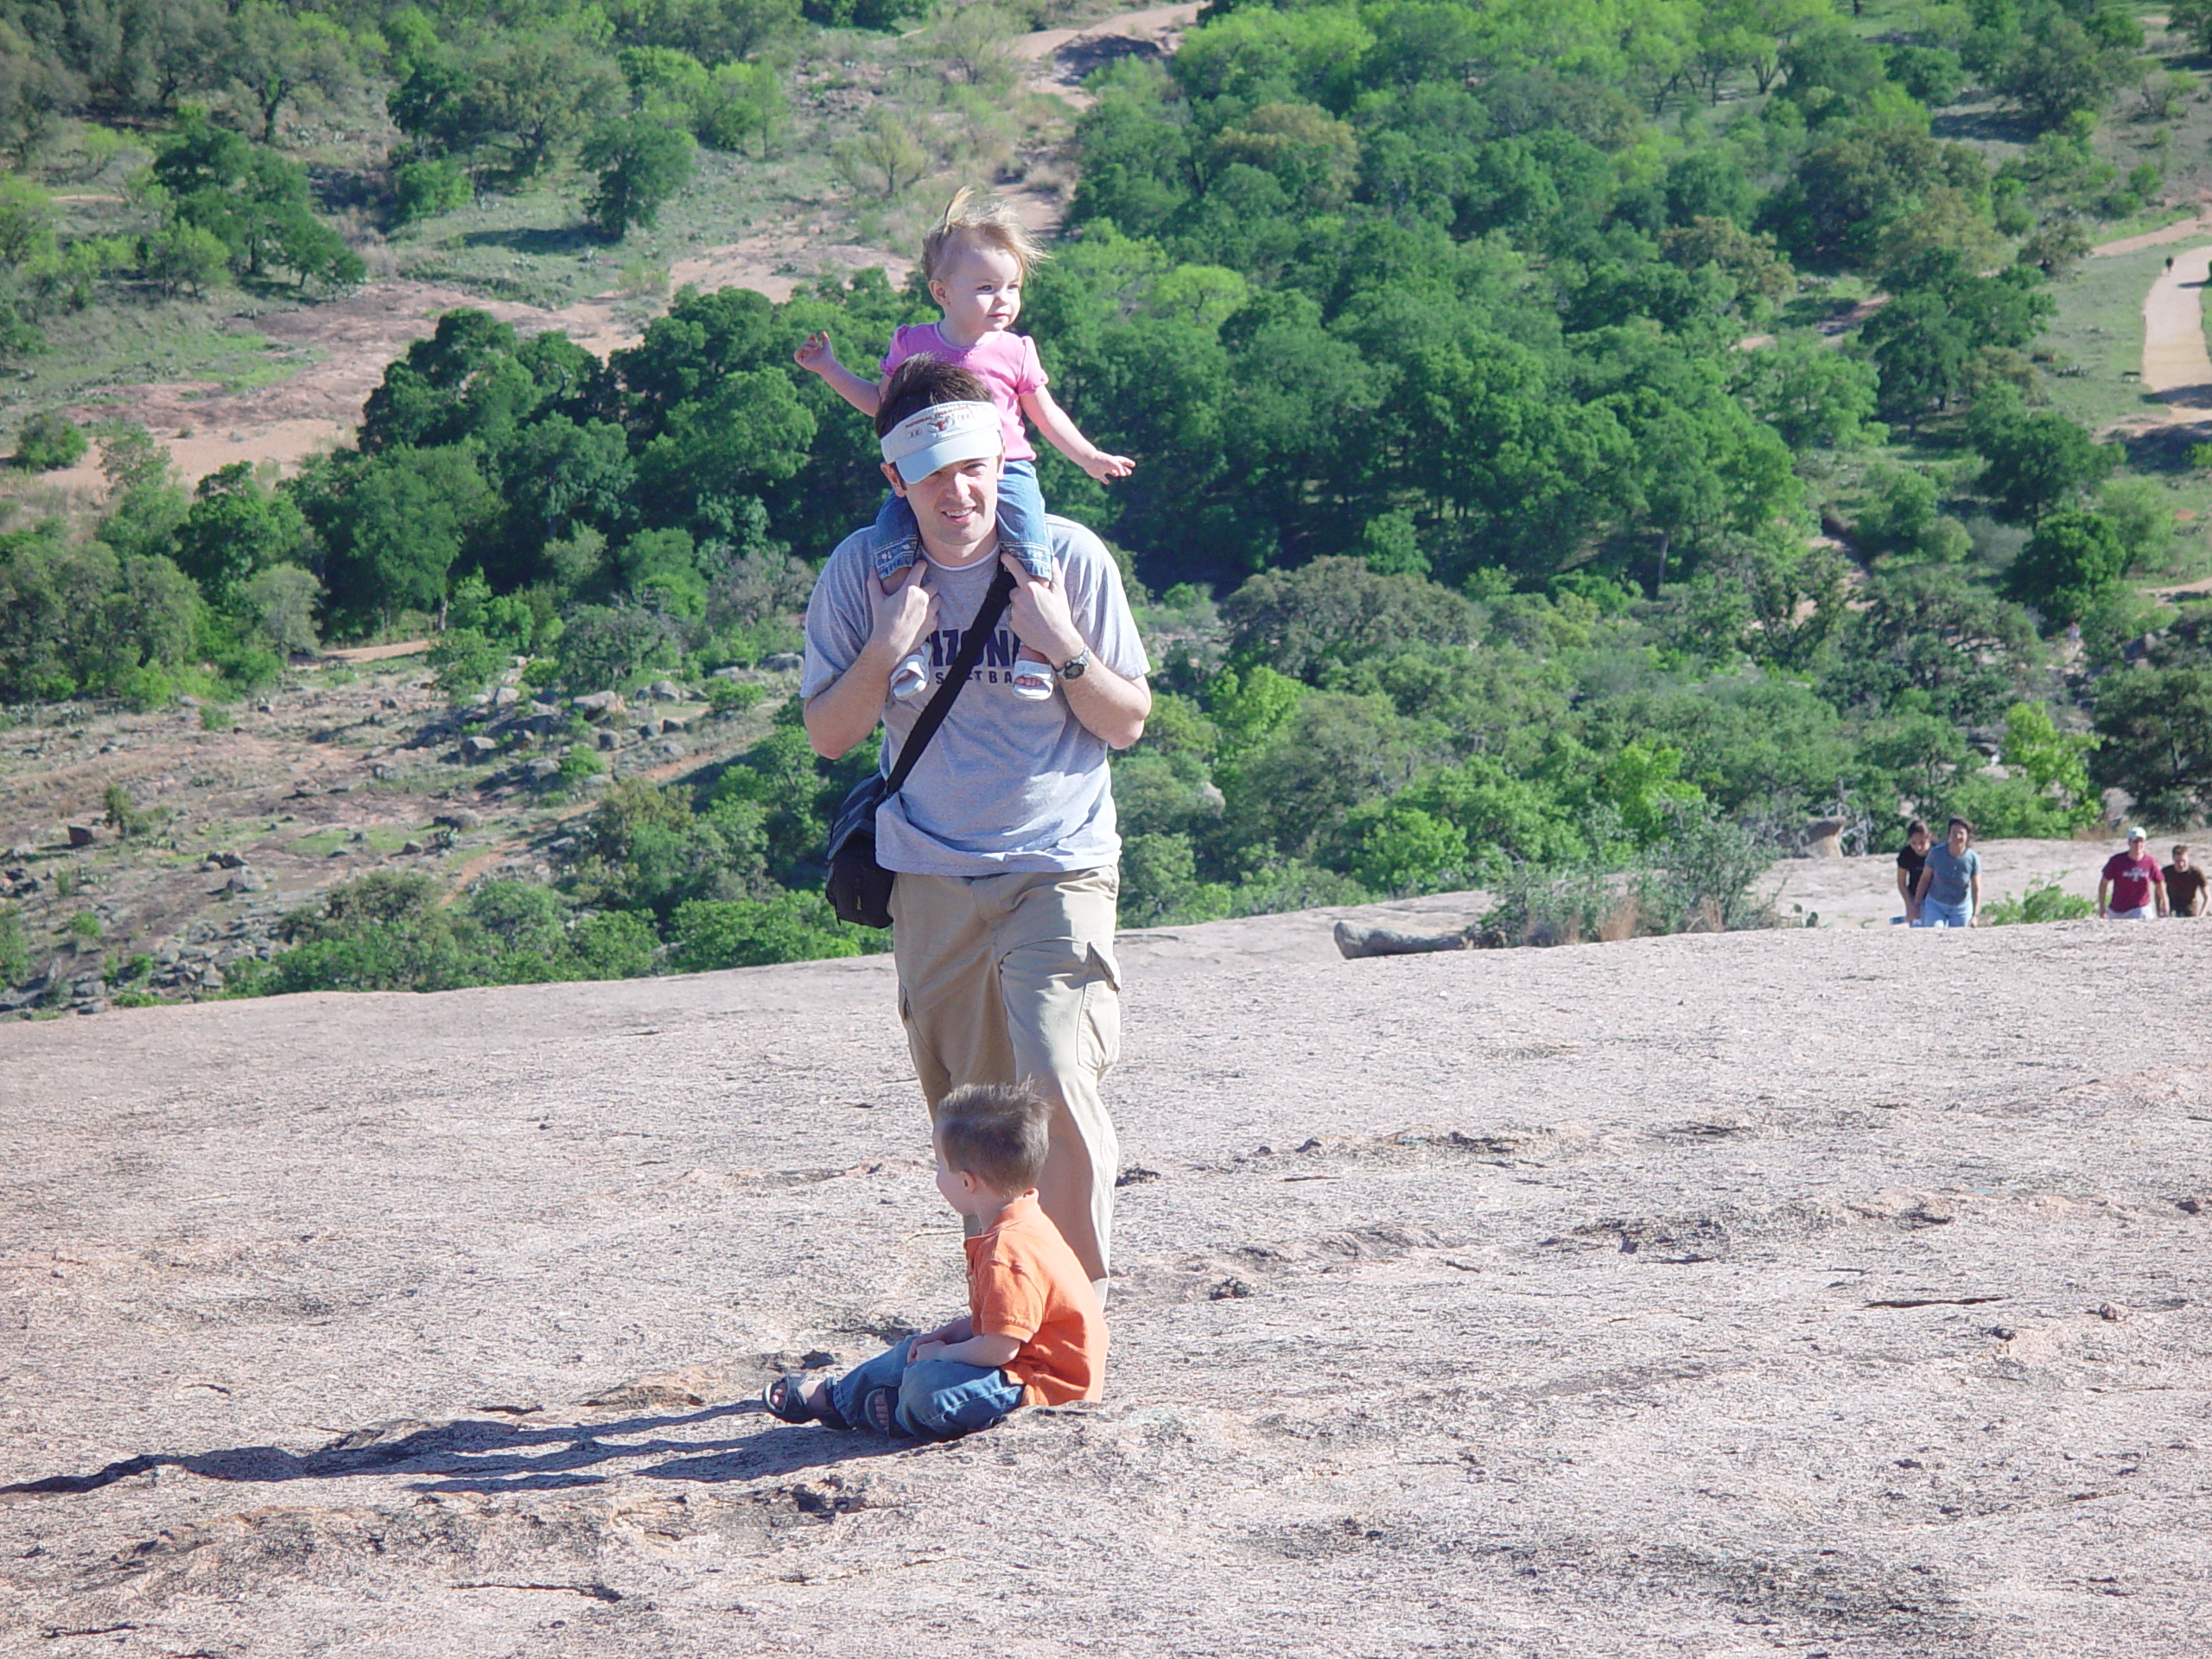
730	673
478	748
1354	941
783	661
244	880
226	860
506	697
81	834
459	818
670	723
664	692
411	849
1822	838
610	739
599	705
545	767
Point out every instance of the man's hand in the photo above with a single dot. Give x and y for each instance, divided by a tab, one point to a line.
903	616
1101	466
1038	613
816	356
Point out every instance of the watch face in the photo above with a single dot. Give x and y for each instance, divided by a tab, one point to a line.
1073	669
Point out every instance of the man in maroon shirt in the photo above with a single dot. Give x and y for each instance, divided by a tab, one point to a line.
2131	888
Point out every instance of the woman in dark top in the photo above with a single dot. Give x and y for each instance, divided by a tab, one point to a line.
1910	857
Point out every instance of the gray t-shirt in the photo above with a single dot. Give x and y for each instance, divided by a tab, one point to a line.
1949	879
1006	784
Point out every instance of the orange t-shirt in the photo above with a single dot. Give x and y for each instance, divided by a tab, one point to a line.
1024	1282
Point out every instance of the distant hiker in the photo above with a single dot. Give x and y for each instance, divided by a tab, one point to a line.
2131	887
2185	885
1910	857
975	262
1003	840
1034	1333
1951	881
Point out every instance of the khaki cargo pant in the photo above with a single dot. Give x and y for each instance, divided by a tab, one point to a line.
1011	979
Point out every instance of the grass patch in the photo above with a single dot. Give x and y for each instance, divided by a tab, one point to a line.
131	342
2094	342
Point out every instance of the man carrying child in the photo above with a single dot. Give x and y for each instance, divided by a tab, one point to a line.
1002	840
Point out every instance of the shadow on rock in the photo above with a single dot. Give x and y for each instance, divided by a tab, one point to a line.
474	1456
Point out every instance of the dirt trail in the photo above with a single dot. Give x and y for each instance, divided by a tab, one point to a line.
2181	230
2175	361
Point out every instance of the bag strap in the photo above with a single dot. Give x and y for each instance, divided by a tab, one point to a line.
964	663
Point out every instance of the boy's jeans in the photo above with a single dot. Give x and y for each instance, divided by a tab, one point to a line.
1021	526
939	1399
1935	913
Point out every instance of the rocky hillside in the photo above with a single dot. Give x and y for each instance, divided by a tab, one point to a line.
1811	1292
228	821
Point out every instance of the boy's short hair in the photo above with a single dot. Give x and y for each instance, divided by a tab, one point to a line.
1915	827
996	1132
920	381
973	221
2180	847
1961	824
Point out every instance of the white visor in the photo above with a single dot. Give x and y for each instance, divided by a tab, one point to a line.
941	435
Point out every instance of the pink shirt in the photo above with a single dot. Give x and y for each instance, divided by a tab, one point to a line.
1007	363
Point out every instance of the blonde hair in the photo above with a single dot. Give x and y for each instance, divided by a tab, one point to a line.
975	220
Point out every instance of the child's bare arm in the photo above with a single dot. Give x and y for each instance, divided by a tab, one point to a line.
988	1352
952	1331
1063	435
818	357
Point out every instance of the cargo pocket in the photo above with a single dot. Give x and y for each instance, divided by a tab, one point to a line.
1101	1010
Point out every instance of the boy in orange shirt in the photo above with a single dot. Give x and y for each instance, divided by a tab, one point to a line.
1033	1334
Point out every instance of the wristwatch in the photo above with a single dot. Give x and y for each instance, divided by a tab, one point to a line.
1076	666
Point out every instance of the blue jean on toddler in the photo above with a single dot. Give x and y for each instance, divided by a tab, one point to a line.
1933	912
939	1399
1021	526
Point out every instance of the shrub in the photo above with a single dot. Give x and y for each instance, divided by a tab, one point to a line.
465	662
422	189
733	696
85	926
129	818
14	949
214	719
47	442
708	934
2043	901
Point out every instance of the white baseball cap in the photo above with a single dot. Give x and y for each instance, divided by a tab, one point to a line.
2137	835
941	435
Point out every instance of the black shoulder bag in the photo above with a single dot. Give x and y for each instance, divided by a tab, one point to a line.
858	888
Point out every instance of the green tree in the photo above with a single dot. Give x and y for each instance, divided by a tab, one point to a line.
235	528
2073	560
394	526
505	104
641	163
2154	735
275	53
47	441
708	934
253	200
2036	464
